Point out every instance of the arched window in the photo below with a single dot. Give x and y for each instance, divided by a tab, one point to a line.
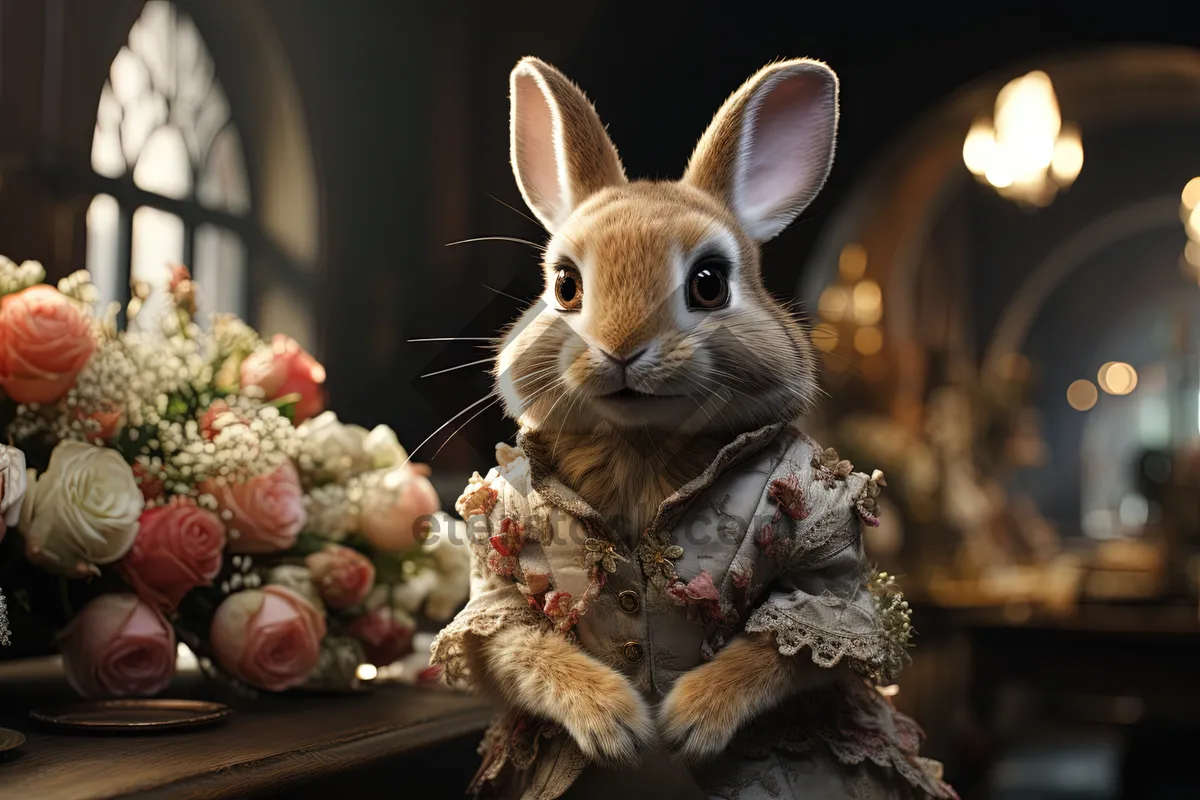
170	162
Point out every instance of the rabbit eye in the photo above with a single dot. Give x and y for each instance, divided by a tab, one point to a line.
708	285
568	288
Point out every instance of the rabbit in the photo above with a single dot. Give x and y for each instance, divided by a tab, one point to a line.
655	384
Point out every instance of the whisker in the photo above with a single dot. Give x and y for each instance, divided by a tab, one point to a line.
442	427
460	366
514	239
506	294
519	211
457	339
465	424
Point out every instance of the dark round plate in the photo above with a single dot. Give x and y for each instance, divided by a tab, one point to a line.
10	739
132	716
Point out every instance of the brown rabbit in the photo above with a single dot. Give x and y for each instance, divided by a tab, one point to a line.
664	564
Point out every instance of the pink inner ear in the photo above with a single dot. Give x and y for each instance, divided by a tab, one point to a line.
787	146
537	161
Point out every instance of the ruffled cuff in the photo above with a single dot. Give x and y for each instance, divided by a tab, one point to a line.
485	615
832	628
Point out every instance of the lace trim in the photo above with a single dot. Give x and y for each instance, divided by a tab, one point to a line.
852	721
828	648
450	648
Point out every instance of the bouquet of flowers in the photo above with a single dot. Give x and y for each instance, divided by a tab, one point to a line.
179	482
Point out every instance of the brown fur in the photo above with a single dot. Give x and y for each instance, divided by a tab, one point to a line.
549	677
714	373
708	705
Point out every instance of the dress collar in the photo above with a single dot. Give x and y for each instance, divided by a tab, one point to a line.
670	510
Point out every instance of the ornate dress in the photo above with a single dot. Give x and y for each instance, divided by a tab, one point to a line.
766	539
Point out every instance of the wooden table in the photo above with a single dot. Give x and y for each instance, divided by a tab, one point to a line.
390	738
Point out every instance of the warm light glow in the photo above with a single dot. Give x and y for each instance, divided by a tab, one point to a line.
868	315
1117	377
979	147
1191	194
366	672
852	263
1068	156
867	294
868	341
890	690
1192	225
1026	154
825	337
1082	395
1191	252
833	303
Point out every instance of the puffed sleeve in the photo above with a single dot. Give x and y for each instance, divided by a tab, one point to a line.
495	510
824	596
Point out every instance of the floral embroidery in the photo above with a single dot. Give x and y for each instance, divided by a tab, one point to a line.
789	494
511	539
558	606
598	551
741	573
831	467
700	596
865	504
478	498
658	562
502	564
772	546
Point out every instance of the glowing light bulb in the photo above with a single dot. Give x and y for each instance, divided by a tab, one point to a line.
980	147
366	672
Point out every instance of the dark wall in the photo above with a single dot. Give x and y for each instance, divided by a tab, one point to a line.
408	109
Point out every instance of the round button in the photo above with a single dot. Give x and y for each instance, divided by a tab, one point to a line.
633	652
628	601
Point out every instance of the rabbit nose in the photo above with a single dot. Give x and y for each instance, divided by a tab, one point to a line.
624	361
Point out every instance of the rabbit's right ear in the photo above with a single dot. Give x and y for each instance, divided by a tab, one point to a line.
561	153
770	147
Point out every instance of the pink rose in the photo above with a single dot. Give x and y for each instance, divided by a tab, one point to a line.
343	575
385	633
217	417
45	340
118	646
178	547
104	423
263	514
269	637
149	485
393	510
285	368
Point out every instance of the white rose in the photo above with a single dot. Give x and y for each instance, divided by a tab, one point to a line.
452	557
383	448
334	450
82	511
12	485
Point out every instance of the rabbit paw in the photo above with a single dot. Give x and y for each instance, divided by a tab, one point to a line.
607	719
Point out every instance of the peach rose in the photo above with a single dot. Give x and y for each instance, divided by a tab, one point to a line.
386	634
102	424
263	514
395	508
343	575
149	485
178	547
285	368
269	637
45	340
118	646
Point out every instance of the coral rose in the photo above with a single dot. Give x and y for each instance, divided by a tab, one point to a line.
178	547
118	646
45	340
343	575
269	637
285	368
263	514
386	634
396	509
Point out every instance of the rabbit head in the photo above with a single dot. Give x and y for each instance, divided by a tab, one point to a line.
654	312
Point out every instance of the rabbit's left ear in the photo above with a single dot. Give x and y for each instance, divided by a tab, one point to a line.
769	149
561	153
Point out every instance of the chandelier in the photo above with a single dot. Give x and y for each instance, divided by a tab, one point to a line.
1024	151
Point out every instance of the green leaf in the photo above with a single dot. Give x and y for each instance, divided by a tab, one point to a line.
308	543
